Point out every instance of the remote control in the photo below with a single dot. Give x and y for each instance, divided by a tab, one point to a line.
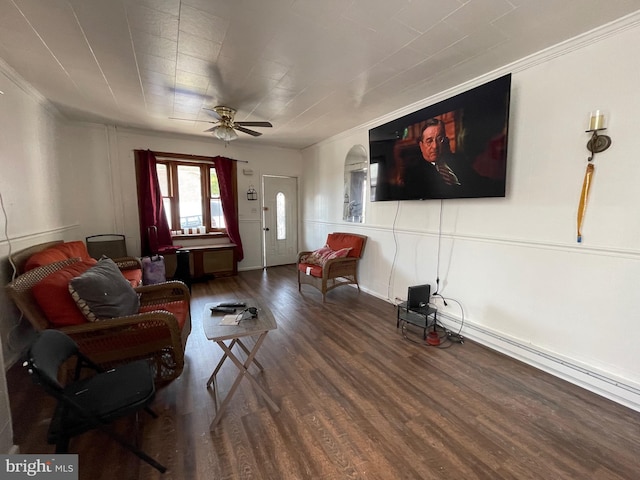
223	309
232	304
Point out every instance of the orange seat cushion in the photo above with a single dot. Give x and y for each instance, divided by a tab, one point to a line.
180	310
53	297
314	270
134	276
338	241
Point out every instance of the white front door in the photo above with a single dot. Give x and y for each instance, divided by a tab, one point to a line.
280	220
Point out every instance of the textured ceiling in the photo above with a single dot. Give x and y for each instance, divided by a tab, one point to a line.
313	68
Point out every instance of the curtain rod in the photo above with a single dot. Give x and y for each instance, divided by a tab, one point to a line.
187	156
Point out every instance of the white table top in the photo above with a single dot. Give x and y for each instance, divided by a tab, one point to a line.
246	328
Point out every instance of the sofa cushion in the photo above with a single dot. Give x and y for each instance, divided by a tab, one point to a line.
56	253
102	292
73	249
52	295
338	241
45	257
133	276
179	309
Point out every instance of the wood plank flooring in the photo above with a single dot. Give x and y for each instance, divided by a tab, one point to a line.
358	401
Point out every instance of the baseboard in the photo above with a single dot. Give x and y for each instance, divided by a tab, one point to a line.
619	390
616	389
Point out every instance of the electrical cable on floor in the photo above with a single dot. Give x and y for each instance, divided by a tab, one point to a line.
445	340
454	336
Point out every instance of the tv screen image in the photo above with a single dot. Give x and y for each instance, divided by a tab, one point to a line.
456	148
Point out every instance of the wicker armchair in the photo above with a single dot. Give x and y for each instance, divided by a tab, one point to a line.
334	272
154	333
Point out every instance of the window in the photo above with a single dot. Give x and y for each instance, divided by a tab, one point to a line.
191	195
281	217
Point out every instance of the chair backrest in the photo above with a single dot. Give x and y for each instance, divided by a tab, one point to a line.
21	292
47	353
339	240
19	258
112	245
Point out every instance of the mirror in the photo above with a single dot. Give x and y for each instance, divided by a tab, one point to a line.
355	184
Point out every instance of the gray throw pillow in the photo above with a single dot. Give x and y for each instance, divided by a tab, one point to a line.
103	292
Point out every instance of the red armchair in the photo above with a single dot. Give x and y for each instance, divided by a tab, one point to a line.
333	265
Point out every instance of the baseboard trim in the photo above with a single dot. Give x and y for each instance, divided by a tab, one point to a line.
618	390
42	236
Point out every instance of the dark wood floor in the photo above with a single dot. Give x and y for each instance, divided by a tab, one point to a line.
358	401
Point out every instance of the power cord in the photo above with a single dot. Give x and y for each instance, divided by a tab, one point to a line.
444	339
395	253
6	235
438	252
453	336
13	266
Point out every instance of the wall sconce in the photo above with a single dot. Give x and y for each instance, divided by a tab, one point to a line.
251	193
597	143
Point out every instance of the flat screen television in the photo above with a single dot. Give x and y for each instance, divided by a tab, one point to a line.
456	148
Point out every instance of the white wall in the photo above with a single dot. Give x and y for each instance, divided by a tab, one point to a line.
34	181
68	181
262	161
523	283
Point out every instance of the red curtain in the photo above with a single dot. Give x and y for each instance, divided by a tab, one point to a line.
225	172
155	235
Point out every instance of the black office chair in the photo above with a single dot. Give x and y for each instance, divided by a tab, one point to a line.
89	402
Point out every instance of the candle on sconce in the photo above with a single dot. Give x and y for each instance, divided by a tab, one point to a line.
596	120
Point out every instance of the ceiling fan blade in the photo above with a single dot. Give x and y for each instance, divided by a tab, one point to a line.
246	130
191	120
213	113
254	124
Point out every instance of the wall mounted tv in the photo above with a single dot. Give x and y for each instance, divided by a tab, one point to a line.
456	148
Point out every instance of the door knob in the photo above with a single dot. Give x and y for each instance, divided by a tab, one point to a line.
266	229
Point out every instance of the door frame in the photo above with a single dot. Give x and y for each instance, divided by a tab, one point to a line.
262	216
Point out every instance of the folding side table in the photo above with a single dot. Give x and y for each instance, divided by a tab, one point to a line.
259	326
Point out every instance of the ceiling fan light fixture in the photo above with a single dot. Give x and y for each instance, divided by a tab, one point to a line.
225	133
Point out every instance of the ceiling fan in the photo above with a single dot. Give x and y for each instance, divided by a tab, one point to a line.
224	126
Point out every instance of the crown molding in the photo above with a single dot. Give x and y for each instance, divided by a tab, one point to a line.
29	89
598	34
